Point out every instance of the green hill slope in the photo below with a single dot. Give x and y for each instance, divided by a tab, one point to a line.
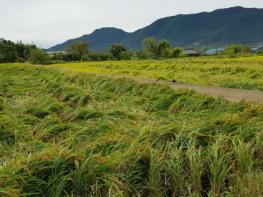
217	28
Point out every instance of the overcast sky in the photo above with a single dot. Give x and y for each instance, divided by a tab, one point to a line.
49	22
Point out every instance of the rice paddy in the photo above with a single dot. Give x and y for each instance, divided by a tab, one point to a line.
77	134
240	72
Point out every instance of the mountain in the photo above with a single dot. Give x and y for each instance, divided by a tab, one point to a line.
217	28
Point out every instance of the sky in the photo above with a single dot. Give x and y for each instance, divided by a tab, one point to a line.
49	22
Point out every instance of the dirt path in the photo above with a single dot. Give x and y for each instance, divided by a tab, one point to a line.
230	94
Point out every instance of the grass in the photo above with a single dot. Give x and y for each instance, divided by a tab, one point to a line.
77	134
241	72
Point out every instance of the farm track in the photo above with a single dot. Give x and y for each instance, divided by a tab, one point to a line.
230	94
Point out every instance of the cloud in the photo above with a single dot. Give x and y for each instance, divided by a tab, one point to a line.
48	22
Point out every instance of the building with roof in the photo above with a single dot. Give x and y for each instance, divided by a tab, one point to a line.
191	52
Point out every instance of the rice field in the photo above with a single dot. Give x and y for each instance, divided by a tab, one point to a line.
240	72
77	134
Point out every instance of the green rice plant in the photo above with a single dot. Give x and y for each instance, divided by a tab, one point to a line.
6	136
37	112
56	130
248	185
244	154
129	139
116	114
164	102
196	165
30	120
250	130
116	187
228	123
241	72
47	175
219	163
163	136
258	149
109	147
86	115
55	108
72	96
1	104
85	176
155	174
176	170
6	192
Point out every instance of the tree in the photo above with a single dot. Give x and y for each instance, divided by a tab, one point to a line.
79	49
38	56
8	51
23	50
163	49
116	50
236	49
11	52
140	55
150	46
97	56
176	52
126	55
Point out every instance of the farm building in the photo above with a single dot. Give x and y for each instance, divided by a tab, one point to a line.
257	50
53	53
214	51
191	52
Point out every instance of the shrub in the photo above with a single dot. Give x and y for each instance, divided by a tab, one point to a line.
116	51
78	48
38	57
96	57
237	49
140	55
124	55
176	52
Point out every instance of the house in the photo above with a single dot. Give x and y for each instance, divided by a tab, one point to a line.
257	49
53	53
214	51
191	52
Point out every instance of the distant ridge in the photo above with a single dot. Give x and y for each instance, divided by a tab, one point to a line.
217	28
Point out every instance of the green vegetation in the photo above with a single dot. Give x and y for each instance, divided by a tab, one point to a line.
117	50
162	49
76	134
38	56
214	29
237	49
14	52
241	72
152	49
78	49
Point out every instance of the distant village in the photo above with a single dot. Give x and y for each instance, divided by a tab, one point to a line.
190	52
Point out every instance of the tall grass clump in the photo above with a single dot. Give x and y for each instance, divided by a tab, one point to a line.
155	174
219	165
176	170
196	165
244	155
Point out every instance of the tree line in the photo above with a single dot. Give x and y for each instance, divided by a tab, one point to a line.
15	52
80	51
20	52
